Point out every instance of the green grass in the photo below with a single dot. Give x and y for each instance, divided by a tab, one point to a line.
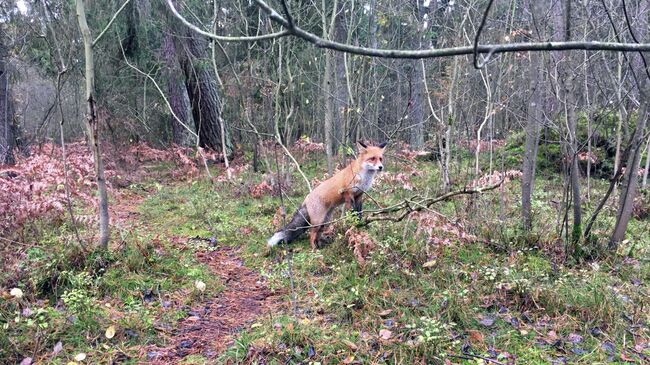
75	296
510	293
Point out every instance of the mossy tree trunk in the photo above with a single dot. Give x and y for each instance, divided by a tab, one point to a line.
203	92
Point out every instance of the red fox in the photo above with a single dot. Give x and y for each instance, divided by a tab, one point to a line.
346	186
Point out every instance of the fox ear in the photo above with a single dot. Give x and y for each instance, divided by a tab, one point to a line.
363	145
382	145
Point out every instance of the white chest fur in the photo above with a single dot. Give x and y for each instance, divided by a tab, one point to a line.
364	180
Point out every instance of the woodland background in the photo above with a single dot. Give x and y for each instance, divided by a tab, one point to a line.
156	139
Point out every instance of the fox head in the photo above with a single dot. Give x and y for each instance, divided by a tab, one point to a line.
370	157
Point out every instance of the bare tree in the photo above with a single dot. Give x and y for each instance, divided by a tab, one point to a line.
7	137
92	124
566	81
203	91
630	178
178	96
533	121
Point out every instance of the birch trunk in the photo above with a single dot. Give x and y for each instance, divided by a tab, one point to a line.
92	125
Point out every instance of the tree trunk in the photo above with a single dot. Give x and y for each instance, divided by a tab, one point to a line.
647	164
203	92
532	137
572	152
7	137
374	74
621	113
536	79
341	96
630	179
417	118
178	96
92	127
416	139
328	79
329	112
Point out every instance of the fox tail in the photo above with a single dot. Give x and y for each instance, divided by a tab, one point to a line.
298	225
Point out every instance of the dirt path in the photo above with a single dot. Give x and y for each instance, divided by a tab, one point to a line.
209	328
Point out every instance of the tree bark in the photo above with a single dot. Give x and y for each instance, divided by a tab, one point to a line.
532	138
416	135
92	125
630	178
203	92
572	145
536	79
7	136
178	96
647	164
328	79
342	114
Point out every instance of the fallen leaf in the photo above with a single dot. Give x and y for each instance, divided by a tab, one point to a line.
255	325
351	345
16	293
429	263
578	351
574	338
80	357
57	348
608	347
110	332
349	359
639	347
487	321
385	334
199	285
624	357
476	337
26	361
385	312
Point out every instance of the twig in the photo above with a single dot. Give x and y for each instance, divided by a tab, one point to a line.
480	357
223	38
406	206
490	49
478	36
110	22
284	224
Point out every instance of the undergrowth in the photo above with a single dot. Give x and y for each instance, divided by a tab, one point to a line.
459	283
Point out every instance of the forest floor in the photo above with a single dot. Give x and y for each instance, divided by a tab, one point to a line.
188	279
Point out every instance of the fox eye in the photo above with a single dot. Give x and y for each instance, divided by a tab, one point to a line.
372	159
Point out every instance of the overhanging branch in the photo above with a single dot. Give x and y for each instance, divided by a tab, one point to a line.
295	30
292	29
219	38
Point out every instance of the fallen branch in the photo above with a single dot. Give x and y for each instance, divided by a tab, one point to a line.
408	206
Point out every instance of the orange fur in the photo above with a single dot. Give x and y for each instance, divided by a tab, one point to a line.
346	186
340	188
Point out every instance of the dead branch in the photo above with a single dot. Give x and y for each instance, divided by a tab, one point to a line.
399	211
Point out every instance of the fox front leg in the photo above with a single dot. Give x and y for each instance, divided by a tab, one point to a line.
357	206
349	200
